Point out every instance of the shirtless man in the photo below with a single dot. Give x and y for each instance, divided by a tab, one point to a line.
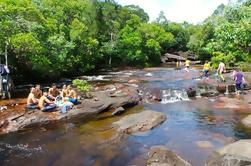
53	92
72	95
45	104
220	70
31	100
38	92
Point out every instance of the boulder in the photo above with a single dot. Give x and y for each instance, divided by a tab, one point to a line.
140	122
235	154
221	88
118	111
210	93
191	92
161	156
247	121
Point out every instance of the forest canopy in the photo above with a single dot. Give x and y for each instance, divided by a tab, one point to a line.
63	38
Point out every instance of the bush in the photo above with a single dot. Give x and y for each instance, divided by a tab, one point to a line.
82	85
244	66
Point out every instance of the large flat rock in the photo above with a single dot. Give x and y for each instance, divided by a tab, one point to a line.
19	118
140	122
161	156
235	154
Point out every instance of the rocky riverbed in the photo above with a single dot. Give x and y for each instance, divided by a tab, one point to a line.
187	129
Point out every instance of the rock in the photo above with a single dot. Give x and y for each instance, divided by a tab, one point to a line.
19	117
191	92
210	93
161	156
231	88
204	144
235	154
133	81
247	121
140	122
118	111
221	88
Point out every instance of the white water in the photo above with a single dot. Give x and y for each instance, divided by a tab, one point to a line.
172	96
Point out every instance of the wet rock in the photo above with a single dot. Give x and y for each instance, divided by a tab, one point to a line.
13	120
149	75
221	88
118	111
191	92
161	156
210	93
231	88
140	122
247	121
235	154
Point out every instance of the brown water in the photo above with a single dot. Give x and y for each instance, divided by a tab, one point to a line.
93	143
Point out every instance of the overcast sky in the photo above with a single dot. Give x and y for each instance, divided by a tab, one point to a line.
192	11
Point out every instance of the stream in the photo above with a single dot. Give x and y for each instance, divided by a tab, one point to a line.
194	128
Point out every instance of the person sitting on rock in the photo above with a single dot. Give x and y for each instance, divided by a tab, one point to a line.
38	92
32	101
64	92
53	92
45	104
72	95
239	80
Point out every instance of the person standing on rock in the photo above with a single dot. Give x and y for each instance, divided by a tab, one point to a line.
206	68
221	69
187	64
239	80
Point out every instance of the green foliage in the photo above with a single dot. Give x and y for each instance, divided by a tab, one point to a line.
82	85
49	39
244	66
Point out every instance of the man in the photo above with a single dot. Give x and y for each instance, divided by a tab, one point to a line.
31	100
53	92
38	92
45	104
72	95
220	70
239	80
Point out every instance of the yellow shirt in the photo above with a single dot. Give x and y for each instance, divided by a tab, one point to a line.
187	63
206	66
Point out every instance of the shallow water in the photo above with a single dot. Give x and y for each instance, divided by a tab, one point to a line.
193	129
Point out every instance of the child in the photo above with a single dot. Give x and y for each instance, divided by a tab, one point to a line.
206	68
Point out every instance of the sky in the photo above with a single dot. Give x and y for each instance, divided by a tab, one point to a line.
192	11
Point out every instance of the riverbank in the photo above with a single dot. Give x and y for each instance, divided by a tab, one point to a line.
17	117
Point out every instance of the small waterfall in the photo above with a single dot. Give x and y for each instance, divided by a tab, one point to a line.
227	91
169	96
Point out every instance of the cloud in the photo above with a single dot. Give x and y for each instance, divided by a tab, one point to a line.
192	11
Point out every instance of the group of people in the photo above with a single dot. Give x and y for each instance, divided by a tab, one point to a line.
237	75
48	101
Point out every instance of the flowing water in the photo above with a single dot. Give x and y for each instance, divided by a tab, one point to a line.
193	129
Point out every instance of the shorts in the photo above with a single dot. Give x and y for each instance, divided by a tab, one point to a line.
31	106
238	86
72	100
